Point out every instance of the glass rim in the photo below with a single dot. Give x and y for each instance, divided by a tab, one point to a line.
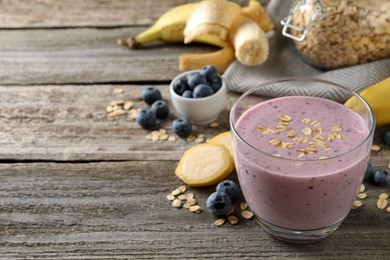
275	81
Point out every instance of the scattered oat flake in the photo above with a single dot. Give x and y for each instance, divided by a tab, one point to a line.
170	197
214	124
362	188
190	138
219	222
182	188
195	208
191	202
230	211
199	139
384	195
118	90
243	205
176	192
190	196
247	214
285	118
109	109
233	219
162	131
128	105
315	123
362	195
306	120
182	197
388	209
171	138
357	204
176	203
307	131
375	148
381	203
163	137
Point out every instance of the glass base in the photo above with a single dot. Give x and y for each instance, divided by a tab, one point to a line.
297	236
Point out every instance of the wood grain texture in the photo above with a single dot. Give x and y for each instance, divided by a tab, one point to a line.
79	184
85	56
84	13
71	123
118	210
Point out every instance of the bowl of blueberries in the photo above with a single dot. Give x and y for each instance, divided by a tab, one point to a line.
199	95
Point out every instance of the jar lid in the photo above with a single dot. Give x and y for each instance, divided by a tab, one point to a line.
318	14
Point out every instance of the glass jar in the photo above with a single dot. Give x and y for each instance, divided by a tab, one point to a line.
334	34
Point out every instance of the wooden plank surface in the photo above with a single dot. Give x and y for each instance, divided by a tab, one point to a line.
118	210
77	183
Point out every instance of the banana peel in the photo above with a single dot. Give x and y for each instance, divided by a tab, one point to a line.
169	28
377	96
220	59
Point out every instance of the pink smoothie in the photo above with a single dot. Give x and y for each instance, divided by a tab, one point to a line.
303	161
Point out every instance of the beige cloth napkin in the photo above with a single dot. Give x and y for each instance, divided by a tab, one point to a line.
285	61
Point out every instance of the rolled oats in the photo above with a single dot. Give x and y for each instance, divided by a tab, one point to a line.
350	33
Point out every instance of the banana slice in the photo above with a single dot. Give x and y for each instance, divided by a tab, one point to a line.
204	165
211	17
224	139
250	42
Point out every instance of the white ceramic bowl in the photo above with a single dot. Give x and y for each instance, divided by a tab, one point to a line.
199	111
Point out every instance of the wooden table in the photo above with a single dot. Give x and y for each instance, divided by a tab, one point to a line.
78	183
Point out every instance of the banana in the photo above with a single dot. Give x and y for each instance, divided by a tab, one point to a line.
257	13
220	59
249	41
213	17
169	27
377	96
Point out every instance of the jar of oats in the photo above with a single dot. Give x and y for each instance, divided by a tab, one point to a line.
334	34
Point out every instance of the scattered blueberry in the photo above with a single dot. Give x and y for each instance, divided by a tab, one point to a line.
387	138
182	127
187	94
219	203
195	79
179	86
160	108
380	177
231	188
216	84
146	118
369	172
150	95
202	90
210	72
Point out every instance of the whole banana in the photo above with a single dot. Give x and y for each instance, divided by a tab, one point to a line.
169	27
377	96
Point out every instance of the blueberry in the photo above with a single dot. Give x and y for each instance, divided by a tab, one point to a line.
182	127
231	188
160	108
219	203
210	72
187	94
146	118
202	90
195	79
380	177
179	86
387	138
369	172
216	84
150	95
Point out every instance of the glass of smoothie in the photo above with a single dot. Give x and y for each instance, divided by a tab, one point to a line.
301	156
